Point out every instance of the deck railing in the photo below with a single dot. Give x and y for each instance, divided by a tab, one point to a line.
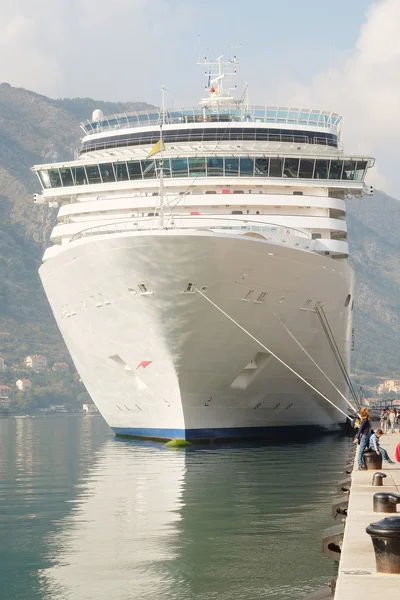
236	113
194	223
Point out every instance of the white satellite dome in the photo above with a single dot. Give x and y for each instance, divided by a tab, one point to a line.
97	115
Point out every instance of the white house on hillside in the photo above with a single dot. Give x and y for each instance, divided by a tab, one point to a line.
23	384
2	364
36	362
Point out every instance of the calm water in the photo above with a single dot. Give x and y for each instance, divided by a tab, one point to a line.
85	516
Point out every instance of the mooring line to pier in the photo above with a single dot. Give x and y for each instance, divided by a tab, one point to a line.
272	353
312	360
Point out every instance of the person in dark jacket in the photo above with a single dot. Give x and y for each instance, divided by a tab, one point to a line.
363	435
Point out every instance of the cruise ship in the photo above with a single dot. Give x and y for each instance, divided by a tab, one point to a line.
199	270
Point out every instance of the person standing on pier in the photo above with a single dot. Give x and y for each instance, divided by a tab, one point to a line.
384	420
363	435
392	420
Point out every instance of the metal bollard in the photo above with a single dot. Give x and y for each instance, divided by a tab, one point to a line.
385	537
372	460
386	502
377	478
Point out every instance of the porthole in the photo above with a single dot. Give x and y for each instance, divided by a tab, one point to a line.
347	301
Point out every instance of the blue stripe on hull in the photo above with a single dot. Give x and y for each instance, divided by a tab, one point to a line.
221	433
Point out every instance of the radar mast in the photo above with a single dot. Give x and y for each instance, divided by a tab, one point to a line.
217	72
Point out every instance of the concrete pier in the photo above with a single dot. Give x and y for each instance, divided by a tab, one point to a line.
357	576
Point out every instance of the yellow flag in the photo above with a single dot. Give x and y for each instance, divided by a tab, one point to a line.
159	147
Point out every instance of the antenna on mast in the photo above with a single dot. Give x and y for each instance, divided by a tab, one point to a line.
217	72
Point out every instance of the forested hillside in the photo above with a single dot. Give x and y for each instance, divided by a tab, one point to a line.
35	129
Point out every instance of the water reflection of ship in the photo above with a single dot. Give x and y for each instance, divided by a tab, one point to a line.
43	463
124	527
198	524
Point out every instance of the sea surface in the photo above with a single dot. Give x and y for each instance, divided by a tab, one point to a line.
84	515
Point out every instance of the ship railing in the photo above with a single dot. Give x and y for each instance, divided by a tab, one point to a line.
194	223
311	141
237	113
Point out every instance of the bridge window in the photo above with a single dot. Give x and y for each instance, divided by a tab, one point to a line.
66	176
197	167
349	168
261	167
179	167
291	167
148	168
246	167
360	169
79	175
275	167
55	179
231	166
93	173
306	168
321	169
215	166
107	173
121	171
45	180
335	171
134	170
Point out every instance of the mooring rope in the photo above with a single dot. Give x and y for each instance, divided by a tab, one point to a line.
312	360
272	353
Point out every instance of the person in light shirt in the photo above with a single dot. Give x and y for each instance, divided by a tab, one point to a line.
392	419
374	445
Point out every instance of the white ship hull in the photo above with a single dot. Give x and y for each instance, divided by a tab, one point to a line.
167	364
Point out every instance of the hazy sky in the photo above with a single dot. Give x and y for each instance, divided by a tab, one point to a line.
342	55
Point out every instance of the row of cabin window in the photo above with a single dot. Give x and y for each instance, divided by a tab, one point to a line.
175	136
227	166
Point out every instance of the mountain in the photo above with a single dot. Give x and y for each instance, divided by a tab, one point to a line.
35	129
374	236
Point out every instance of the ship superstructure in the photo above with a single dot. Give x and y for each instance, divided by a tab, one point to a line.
243	203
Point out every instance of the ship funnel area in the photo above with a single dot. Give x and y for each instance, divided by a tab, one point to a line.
217	72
